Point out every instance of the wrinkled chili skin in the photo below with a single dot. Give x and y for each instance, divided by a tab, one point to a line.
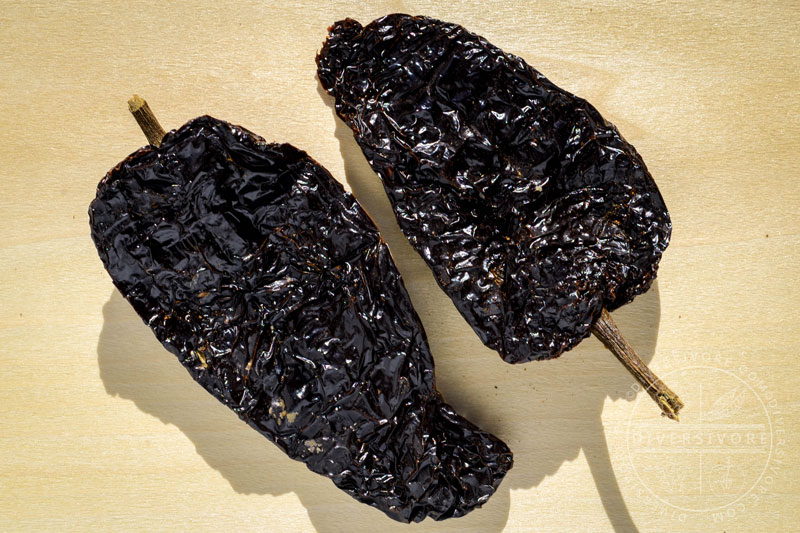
276	292
530	208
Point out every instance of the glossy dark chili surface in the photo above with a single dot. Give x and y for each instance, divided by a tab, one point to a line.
531	209
276	292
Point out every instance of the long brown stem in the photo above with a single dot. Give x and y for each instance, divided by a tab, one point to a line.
606	330
146	119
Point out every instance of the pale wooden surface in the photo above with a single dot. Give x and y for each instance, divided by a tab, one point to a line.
102	429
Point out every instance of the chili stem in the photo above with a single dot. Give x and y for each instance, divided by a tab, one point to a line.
146	119
606	330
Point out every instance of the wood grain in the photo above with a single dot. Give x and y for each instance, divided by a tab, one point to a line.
101	429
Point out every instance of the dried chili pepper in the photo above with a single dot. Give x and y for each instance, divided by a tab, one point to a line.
276	292
532	211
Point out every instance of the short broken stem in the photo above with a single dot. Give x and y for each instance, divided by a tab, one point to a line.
146	119
606	330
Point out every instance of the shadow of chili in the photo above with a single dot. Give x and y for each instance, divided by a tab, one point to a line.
133	365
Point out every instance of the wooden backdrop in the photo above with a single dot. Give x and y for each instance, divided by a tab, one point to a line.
100	428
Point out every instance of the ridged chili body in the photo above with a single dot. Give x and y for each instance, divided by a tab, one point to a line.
532	211
276	292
